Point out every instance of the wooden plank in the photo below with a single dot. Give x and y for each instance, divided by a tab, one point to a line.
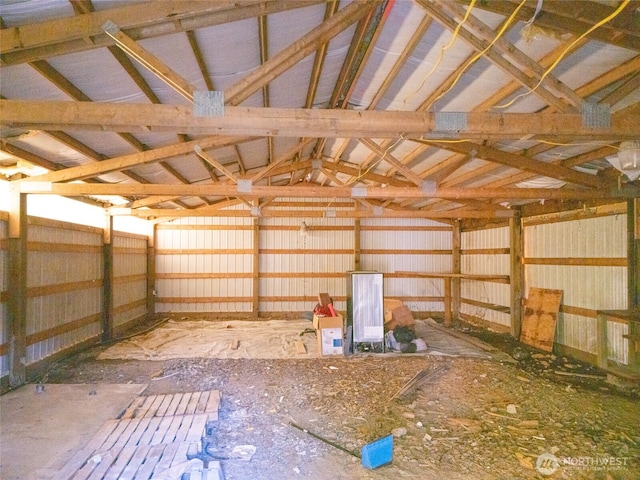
193	402
541	314
112	439
185	426
124	456
235	343
144	408
126	434
154	455
164	406
181	453
150	431
300	347
93	468
157	401
213	405
184	401
167	457
173	406
202	402
197	428
80	457
130	412
170	434
160	432
142	427
136	461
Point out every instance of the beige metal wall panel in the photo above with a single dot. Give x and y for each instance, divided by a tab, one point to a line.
294	267
618	345
130	278
476	261
595	288
587	287
409	245
4	314
486	292
65	279
218	267
577	332
592	237
489	238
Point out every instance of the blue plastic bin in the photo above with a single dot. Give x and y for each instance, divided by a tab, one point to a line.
378	453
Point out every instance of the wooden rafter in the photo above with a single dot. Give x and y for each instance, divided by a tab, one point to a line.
149	156
576	17
144	20
502	56
523	163
298	50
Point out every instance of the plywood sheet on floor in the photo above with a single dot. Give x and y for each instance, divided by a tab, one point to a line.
31	423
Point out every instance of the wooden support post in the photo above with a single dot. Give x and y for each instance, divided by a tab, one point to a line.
456	262
447	301
17	283
151	272
516	273
634	337
256	268
633	254
356	245
601	341
107	284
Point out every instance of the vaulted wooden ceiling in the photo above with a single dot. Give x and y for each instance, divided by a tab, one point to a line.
413	108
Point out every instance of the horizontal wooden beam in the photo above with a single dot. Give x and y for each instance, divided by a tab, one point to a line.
317	191
269	212
299	122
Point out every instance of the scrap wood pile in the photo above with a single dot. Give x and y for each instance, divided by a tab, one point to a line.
400	328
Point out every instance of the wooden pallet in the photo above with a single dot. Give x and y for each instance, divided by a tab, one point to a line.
151	436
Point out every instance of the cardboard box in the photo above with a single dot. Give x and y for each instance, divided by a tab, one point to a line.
389	305
330	333
400	317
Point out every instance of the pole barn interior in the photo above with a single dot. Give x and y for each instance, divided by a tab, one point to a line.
219	161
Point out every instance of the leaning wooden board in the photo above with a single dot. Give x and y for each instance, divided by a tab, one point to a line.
540	318
152	434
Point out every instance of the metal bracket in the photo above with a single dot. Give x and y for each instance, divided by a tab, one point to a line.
596	115
244	186
209	103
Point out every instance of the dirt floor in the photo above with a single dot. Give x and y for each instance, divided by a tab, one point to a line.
471	419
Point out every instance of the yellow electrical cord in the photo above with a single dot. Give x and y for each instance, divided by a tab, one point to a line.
480	54
566	50
443	50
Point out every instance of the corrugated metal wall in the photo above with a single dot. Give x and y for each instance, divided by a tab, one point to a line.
204	264
130	278
408	245
64	282
486	252
4	297
296	265
586	259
